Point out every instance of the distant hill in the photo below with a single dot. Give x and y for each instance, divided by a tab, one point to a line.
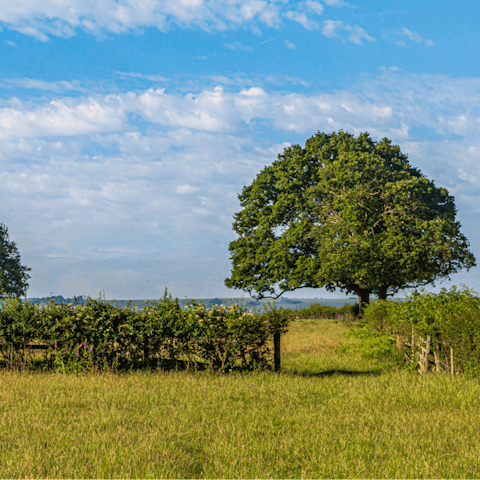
251	303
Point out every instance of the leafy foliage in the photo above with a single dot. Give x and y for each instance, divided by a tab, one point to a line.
13	275
316	310
372	345
159	335
451	318
347	213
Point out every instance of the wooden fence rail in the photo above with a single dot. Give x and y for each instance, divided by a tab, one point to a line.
34	347
276	351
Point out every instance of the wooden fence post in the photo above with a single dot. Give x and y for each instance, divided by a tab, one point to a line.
276	351
451	361
413	345
437	361
423	355
427	353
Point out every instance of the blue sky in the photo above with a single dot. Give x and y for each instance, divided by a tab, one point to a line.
128	128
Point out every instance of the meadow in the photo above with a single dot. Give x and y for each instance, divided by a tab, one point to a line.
328	414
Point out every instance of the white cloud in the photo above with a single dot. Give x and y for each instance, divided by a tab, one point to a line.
32	32
33	84
302	19
44	18
339	3
142	76
11	43
62	117
394	102
415	37
238	46
50	17
290	45
79	189
330	27
355	34
183	189
315	7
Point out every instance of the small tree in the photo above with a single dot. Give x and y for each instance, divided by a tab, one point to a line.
347	213
13	275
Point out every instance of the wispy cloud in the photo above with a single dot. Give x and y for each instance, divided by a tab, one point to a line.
301	17
415	37
313	6
337	3
392	101
266	41
183	189
290	45
142	76
33	31
238	46
355	34
50	17
173	177
33	84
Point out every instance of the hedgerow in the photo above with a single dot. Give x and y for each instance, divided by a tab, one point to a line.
160	335
446	324
317	311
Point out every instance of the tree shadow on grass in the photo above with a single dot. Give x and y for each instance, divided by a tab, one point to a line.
346	373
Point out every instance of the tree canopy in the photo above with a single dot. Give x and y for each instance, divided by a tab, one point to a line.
13	275
344	212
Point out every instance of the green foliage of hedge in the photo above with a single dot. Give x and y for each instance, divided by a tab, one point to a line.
159	335
316	310
451	318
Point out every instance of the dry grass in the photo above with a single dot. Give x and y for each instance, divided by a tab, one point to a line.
325	416
313	336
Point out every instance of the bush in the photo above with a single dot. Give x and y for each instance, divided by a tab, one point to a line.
159	335
19	326
451	319
316	310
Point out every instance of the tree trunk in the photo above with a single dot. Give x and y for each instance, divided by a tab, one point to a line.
382	293
363	297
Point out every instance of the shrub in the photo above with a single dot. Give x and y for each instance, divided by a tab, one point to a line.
159	335
19	326
316	310
451	319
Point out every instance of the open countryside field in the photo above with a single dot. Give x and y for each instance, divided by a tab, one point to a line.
327	415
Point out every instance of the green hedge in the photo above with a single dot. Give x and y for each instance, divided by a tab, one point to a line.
316	310
159	335
450	318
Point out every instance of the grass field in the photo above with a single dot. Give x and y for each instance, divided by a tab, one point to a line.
325	416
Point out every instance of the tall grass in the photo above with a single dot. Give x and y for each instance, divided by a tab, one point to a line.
327	415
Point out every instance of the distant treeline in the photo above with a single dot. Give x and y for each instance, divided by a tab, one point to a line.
295	305
57	298
316	310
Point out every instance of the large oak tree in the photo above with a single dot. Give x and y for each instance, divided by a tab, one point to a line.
344	212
